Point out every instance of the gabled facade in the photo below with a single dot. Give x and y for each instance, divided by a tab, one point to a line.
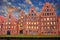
21	22
58	20
33	23
10	25
48	20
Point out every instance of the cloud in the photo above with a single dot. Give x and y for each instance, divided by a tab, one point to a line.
40	3
24	5
5	0
28	1
37	8
9	3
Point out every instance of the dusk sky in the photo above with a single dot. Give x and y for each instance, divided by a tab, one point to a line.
26	4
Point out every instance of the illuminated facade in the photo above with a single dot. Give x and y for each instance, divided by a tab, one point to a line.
33	23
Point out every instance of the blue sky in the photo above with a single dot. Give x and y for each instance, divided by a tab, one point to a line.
26	4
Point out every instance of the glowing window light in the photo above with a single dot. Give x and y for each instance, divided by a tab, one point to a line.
37	22
14	26
27	26
50	18
51	22
6	27
54	23
54	18
9	26
48	27
19	25
21	16
0	26
42	28
9	22
32	27
47	18
54	27
29	22
42	23
47	22
44	19
21	21
34	22
37	27
6	23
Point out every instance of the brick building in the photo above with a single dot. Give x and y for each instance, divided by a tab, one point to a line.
58	24
32	23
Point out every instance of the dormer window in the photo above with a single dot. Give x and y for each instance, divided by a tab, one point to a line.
47	6
32	10
33	14
9	16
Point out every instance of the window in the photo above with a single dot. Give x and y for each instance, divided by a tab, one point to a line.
47	6
47	18
44	14
14	23
42	23
29	22
47	22
8	26
37	27
47	14
47	10
35	23
9	17
32	11
19	25
9	22
42	28
32	22
52	13
50	18
54	27
51	22
53	18
33	14
44	19
21	31
48	27
12	26
27	26
0	26
54	23
32	27
6	23
21	16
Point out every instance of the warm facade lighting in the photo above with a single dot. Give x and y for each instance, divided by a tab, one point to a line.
0	26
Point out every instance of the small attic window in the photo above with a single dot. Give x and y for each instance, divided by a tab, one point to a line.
32	10
9	16
33	14
47	6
